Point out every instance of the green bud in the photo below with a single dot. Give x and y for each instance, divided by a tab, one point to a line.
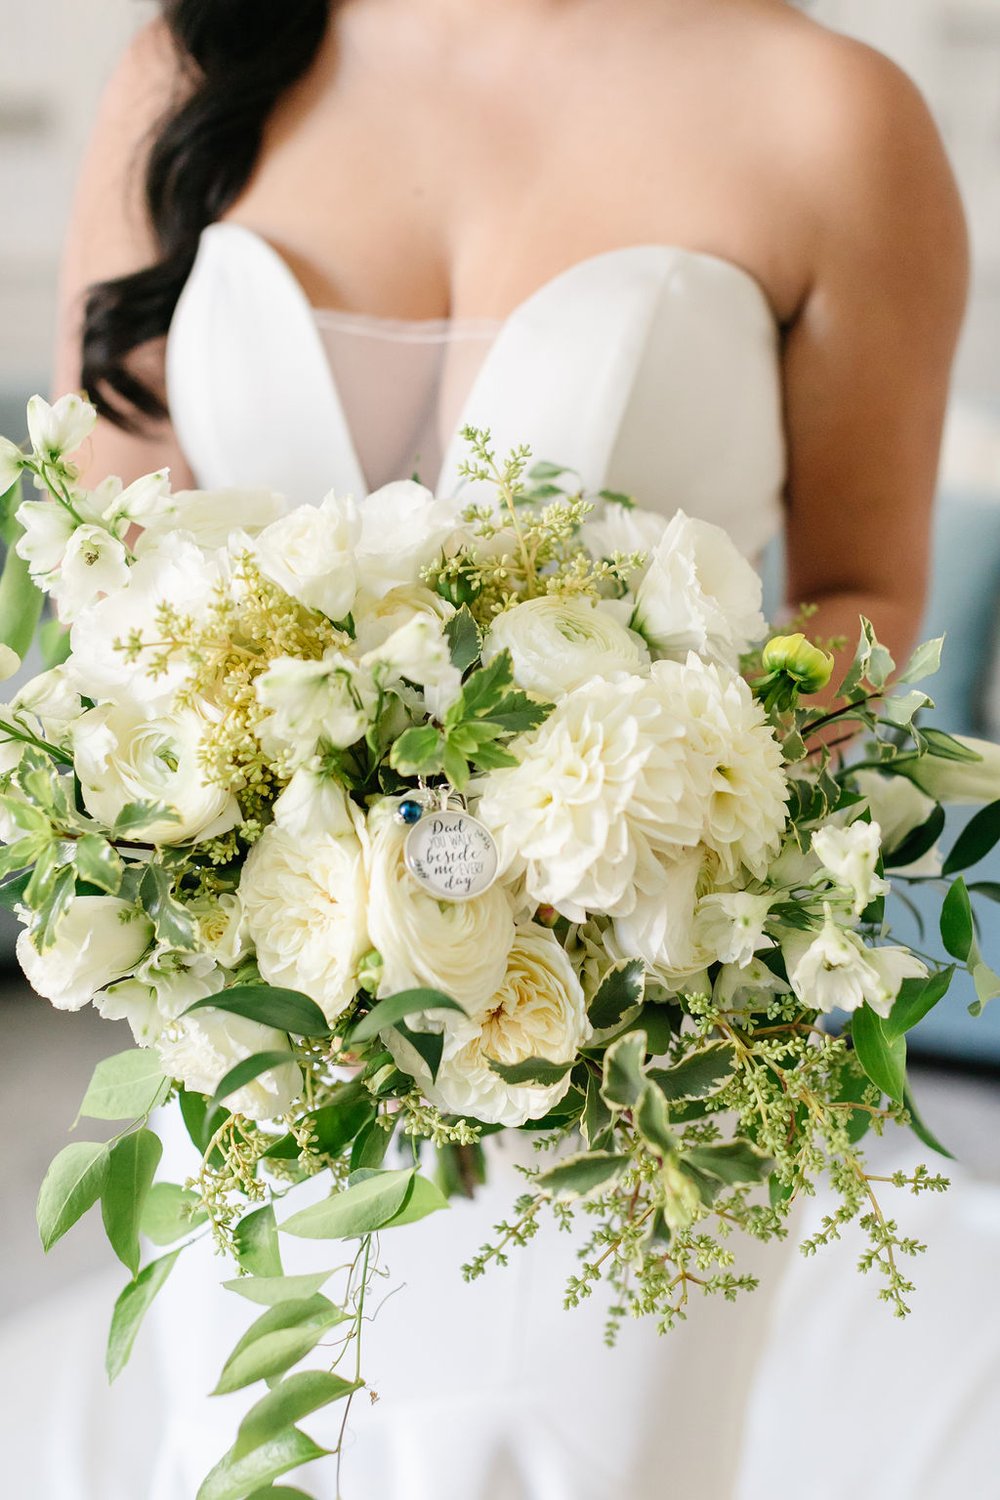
809	667
370	971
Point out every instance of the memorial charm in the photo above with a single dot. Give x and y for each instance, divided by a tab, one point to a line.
452	855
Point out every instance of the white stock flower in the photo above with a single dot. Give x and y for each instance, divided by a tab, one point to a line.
11	464
833	970
94	563
418	651
122	755
47	528
699	594
53	700
849	857
211	517
200	1050
622	529
60	428
310	553
143	501
729	925
899	807
100	939
538	1011
558	643
306	908
403	529
163	986
331	700
458	947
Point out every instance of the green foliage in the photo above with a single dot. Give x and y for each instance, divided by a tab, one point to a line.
125	1086
130	1309
394	1008
582	1174
534	1070
978	837
170	1212
957	927
624	1071
288	1402
236	1478
285	1010
246	1070
255	1242
72	1185
372	1200
700	1074
131	1168
278	1339
880	1053
171	920
619	991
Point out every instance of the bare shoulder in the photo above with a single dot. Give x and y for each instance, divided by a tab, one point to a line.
149	75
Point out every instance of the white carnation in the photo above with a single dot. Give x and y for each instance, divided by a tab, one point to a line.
404	529
699	594
310	553
558	643
200	1050
833	970
458	947
99	939
849	857
331	700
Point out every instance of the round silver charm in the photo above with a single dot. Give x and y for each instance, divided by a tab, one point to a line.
452	855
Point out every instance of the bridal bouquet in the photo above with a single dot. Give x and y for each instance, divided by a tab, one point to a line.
417	820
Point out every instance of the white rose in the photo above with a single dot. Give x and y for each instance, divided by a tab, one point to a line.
121	755
100	939
403	531
305	900
458	947
164	985
61	427
210	517
833	970
849	857
699	594
310	553
332	700
538	1011
899	807
623	530
94	563
730	926
959	780
377	617
201	1049
558	643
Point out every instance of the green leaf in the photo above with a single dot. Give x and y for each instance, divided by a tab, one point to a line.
279	1492
620	989
334	1125
428	1045
918	842
278	1339
72	1185
901	709
394	1008
957	928
924	662
170	1212
584	1173
131	1169
53	641
418	751
624	1073
652	1120
697	1076
371	1145
988	888
978	837
516	713
53	908
423	1197
289	1401
597	1117
987	985
19	855
545	470
883	1058
533	1070
921	1131
732	1162
235	1478
125	1086
246	1070
355	1210
285	1010
255	1241
98	863
136	816
483	690
173	922
21	602
270	1290
617	497
463	638
915	999
131	1308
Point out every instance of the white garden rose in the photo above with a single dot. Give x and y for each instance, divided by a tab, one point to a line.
122	755
699	594
403	529
833	969
99	939
332	700
559	642
94	564
377	617
849	857
200	1050
313	802
305	901
61	427
729	925
458	947
539	1011
310	553
209	517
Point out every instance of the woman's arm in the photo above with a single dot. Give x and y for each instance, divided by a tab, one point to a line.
868	358
109	235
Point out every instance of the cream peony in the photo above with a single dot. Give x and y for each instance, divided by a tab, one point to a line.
539	1010
99	939
305	902
699	594
199	1050
833	970
121	755
849	857
332	700
558	643
403	530
459	947
310	553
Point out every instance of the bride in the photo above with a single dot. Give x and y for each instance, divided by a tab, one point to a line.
703	251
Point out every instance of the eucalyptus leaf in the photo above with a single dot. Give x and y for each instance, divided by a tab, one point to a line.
72	1185
125	1086
131	1308
131	1168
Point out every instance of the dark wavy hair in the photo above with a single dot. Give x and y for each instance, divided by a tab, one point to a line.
238	57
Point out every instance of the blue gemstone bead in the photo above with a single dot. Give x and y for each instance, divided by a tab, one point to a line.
410	810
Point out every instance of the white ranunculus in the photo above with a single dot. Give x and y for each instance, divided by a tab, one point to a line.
458	947
60	428
331	700
121	755
833	970
730	926
210	517
403	531
94	563
47	528
200	1050
100	939
699	594
958	780
306	909
849	857
558	643
11	464
177	572
623	530
538	1011
899	807
310	553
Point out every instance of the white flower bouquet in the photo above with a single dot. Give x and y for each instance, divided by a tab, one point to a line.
424	819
